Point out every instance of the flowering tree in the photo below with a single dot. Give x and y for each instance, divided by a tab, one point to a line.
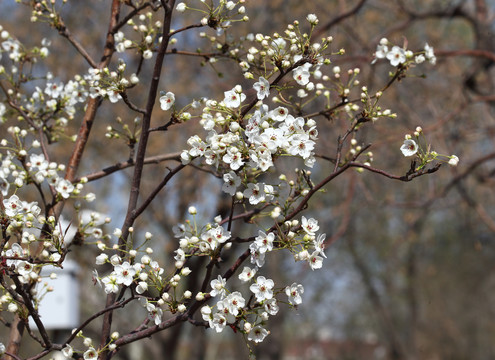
290	89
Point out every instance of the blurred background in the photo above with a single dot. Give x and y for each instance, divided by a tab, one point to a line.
410	272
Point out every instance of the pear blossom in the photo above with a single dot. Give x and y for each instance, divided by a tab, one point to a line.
312	19
409	148
430	55
271	306
67	351
319	244
301	74
90	354
231	182
382	49
262	289
64	188
218	322
110	283
315	261
101	259
310	226
181	7
154	313
218	287
396	56
294	292
233	98
167	100
257	257
12	205
247	274
454	160
264	241
234	158
257	334
14	252
262	88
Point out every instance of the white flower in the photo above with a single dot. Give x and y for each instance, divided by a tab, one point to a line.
294	293
147	54
233	98
454	160
319	244
419	59
142	287
167	100
234	158
181	7
310	225
234	302
124	273
271	306
247	274
301	75
64	188
264	242
154	313
409	148
67	351
301	145
220	234
262	289
218	286
381	51
218	322
262	88
110	283
12	206
312	19
430	55
2	349
254	193
231	182
257	258
396	56
24	268
101	259
257	334
315	261
14	252
90	354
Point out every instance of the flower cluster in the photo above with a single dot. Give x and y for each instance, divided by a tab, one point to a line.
397	55
412	147
19	168
109	84
243	149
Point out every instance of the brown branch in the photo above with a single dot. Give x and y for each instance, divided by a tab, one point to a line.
155	192
346	213
126	164
95	316
467	52
33	312
338	19
141	152
129	16
192	26
408	177
130	104
466	172
135	336
64	32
